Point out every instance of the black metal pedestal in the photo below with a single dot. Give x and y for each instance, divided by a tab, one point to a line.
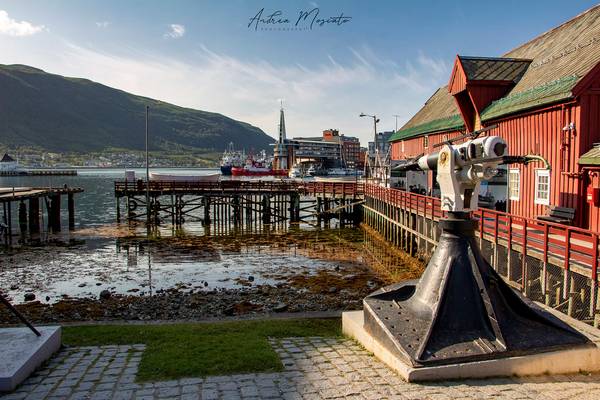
461	310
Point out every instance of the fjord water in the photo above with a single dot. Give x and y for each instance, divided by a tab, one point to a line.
96	205
103	255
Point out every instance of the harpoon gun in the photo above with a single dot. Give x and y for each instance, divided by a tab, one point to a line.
461	168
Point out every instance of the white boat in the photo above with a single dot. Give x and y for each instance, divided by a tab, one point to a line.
345	178
337	172
295	172
342	172
160	177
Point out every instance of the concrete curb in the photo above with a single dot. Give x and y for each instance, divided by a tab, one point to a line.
556	362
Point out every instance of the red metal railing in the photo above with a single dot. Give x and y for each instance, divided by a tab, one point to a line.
308	188
140	185
334	188
570	245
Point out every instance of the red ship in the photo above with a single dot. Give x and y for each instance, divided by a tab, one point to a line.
260	167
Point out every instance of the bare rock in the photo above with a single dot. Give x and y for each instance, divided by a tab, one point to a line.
280	307
105	294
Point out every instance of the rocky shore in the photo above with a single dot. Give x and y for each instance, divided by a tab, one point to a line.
175	304
324	291
198	278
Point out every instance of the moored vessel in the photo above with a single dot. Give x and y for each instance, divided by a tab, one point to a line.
230	159
295	172
261	166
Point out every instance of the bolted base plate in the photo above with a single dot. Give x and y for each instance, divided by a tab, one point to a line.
461	310
565	361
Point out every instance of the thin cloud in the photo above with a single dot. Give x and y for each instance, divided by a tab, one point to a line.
103	24
11	27
176	31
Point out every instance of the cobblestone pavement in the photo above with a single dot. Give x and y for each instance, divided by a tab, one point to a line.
315	368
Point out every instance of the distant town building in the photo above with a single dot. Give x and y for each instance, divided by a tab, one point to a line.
381	143
7	163
350	146
330	149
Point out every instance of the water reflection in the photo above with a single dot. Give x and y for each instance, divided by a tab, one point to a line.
102	255
136	265
389	263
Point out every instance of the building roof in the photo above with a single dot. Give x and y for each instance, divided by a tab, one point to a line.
592	157
438	114
493	68
7	158
560	58
572	48
547	93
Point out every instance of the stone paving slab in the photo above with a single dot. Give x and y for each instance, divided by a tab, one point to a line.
314	368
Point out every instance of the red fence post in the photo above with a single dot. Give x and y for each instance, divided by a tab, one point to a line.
567	249
566	263
524	257
594	285
595	259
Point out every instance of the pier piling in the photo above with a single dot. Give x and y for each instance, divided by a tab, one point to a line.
244	202
118	209
71	211
54	213
8	219
29	212
22	217
34	215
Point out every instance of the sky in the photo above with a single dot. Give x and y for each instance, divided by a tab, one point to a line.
345	58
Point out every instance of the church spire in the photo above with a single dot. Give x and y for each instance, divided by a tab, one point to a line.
281	125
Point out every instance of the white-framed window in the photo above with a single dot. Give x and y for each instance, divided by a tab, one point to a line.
445	137
426	141
542	186
514	183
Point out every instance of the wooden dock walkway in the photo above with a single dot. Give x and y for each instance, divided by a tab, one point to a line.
29	214
237	201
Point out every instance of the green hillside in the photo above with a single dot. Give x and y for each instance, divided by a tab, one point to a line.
63	114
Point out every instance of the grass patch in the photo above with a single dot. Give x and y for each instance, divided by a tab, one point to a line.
201	349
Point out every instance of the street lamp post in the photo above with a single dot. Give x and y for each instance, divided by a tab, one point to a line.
375	121
396	116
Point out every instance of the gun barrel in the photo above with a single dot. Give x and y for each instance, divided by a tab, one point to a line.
412	165
423	163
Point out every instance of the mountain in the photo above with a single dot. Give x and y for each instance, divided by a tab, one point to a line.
62	114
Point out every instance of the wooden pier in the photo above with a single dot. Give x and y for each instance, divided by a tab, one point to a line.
30	217
239	202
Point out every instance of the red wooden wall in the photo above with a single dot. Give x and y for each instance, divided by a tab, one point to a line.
541	133
482	95
590	134
414	147
538	132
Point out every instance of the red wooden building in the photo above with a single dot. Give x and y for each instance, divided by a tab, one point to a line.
545	98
